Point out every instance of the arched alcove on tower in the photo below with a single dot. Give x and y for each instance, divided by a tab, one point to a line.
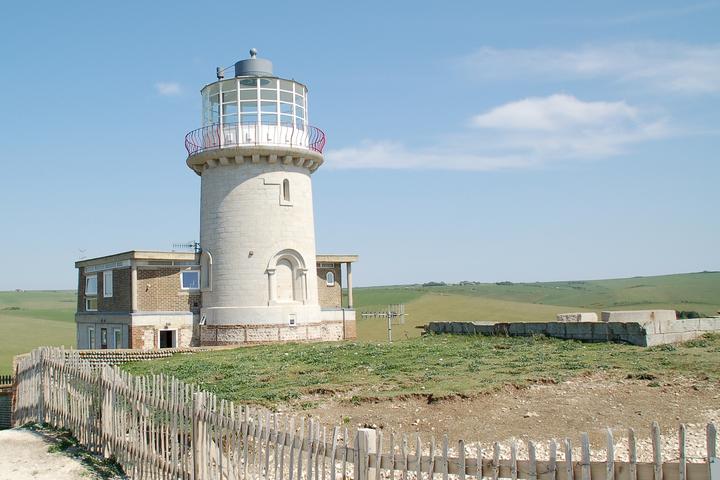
287	278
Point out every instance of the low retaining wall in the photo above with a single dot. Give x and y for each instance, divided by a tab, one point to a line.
647	334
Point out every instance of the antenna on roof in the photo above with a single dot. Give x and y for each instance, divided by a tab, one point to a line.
191	245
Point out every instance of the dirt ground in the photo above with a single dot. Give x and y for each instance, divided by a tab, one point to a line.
24	455
544	412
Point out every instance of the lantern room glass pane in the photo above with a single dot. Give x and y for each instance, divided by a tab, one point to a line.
270	107
286	108
248	83
248	94
229	96
286	120
299	100
268	83
246	119
269	119
248	107
229	119
286	96
230	108
286	85
300	112
268	94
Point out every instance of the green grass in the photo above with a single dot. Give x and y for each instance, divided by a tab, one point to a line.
432	366
34	318
534	302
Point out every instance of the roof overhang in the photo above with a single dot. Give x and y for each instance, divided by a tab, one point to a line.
137	255
337	258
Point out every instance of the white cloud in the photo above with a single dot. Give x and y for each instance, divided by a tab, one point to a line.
168	89
669	67
554	113
522	134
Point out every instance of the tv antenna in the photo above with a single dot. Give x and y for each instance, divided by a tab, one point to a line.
191	245
394	313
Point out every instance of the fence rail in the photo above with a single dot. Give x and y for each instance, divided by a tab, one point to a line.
253	134
159	427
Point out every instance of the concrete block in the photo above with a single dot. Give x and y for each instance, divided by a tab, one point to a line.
639	316
577	317
709	324
600	331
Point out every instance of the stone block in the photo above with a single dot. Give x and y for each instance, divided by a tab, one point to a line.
536	328
709	324
577	317
640	316
556	329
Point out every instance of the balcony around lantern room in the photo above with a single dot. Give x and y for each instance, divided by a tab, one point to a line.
255	112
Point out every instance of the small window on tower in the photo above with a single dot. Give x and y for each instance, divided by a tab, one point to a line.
286	190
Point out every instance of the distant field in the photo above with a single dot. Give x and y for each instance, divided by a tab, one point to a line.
31	319
534	302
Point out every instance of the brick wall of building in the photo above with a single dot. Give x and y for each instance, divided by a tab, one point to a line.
120	300
329	297
159	291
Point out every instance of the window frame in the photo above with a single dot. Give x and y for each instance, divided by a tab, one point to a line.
182	282
87	283
117	331
328	282
107	274
87	307
91	337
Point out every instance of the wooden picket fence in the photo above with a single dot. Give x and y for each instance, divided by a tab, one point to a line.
157	427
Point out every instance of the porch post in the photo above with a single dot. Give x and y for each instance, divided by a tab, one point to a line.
349	284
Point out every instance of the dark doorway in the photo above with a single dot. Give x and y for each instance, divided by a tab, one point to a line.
167	338
103	338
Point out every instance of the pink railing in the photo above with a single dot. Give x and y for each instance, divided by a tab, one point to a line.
236	134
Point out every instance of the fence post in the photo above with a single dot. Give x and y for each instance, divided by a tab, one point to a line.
367	445
198	403
39	378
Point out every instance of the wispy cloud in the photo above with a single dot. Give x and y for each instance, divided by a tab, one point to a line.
667	67
526	133
168	89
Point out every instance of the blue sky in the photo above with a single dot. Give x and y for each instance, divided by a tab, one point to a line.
470	140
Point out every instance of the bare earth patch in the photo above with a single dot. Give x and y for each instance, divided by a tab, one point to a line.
546	411
24	455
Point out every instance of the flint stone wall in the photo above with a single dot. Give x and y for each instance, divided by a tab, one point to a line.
647	334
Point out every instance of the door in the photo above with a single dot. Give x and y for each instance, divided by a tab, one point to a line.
103	338
167	338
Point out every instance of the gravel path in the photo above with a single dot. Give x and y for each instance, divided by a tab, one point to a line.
24	455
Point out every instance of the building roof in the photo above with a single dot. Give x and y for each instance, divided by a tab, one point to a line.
136	255
153	255
336	258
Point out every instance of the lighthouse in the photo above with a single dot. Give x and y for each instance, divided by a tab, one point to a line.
255	154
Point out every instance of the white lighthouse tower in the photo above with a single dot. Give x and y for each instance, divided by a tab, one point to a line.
255	154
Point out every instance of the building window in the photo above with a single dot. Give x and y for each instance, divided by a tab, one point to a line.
91	337
107	284
91	304
190	279
91	285
117	338
330	279
286	190
103	338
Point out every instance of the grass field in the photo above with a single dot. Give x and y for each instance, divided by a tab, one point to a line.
31	319
432	366
534	302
